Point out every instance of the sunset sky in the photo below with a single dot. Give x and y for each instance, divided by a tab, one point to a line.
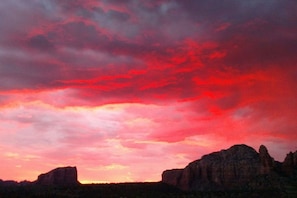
124	89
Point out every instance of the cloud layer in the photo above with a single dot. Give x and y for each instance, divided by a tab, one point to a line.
124	90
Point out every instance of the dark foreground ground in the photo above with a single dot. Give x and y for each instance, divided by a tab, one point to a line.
153	189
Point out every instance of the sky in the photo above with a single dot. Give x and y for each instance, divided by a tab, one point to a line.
125	89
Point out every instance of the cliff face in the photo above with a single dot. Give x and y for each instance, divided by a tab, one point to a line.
64	176
221	169
226	169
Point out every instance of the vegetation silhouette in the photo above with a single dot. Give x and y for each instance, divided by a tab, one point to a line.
146	189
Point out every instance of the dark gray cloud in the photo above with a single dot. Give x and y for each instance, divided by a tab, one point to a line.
170	42
40	42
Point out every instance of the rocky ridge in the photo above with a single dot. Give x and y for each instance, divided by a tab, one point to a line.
237	167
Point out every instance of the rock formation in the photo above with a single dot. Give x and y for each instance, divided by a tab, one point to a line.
172	177
290	163
63	176
267	162
226	169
